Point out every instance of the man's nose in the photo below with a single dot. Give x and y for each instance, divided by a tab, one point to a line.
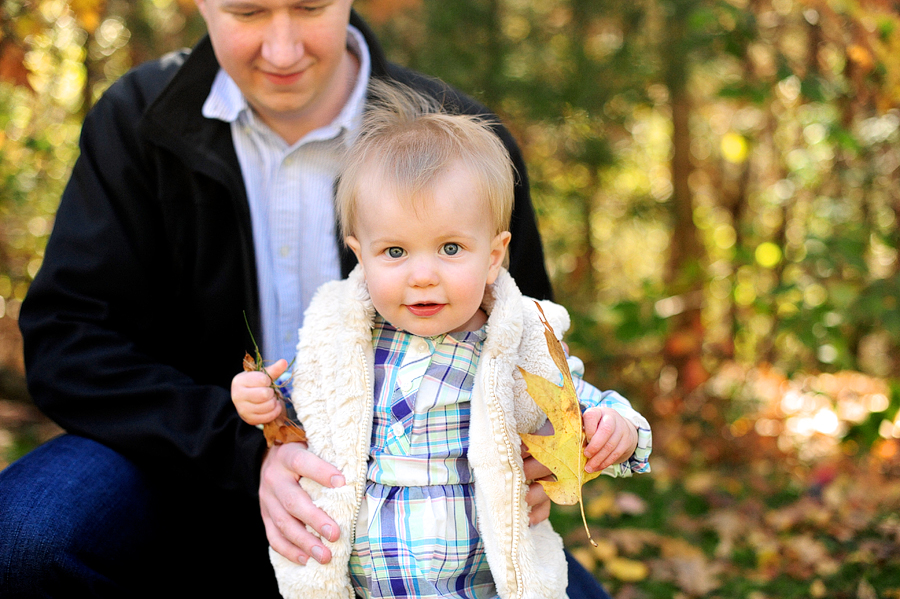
283	43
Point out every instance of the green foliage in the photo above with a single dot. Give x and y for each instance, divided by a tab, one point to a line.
876	307
793	145
868	432
70	53
637	319
793	148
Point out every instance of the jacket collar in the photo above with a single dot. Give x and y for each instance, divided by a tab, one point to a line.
174	120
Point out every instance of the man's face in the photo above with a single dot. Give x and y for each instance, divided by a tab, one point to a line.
288	57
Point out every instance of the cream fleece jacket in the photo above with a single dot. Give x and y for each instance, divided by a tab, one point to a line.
333	396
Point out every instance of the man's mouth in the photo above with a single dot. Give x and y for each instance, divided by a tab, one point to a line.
283	78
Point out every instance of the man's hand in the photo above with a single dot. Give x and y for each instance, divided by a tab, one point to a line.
286	508
612	438
536	497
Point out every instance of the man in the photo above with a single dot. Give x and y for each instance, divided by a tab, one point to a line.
202	193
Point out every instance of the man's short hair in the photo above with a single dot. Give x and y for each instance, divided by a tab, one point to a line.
407	140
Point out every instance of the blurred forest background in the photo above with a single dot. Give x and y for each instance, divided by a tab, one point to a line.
717	188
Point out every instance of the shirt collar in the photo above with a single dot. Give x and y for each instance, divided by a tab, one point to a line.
226	102
467	337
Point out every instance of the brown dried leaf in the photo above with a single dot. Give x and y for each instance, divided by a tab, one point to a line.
281	430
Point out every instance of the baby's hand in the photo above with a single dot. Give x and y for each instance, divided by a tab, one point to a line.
253	395
611	438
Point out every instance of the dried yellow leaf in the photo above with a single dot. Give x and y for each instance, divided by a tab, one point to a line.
563	451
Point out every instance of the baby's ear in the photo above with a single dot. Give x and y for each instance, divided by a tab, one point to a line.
498	254
353	243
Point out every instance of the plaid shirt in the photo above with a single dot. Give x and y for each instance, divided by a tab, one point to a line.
416	532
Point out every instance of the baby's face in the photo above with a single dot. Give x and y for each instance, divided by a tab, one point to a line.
427	263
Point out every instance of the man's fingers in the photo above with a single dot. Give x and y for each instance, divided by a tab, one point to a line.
290	538
287	509
307	464
537	498
534	470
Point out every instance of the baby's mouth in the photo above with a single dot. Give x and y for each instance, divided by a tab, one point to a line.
425	309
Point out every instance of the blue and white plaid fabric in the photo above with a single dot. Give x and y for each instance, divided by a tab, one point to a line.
416	532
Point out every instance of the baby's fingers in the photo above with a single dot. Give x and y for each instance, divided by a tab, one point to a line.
613	451
277	369
590	420
610	442
259	413
599	427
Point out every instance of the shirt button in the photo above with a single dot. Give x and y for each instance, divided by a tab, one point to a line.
421	346
284	250
397	427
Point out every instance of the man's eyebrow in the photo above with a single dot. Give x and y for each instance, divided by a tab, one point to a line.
238	4
232	4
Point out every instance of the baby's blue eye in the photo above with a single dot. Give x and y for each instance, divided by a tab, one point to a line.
395	252
451	249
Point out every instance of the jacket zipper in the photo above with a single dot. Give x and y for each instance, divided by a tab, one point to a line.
362	447
517	481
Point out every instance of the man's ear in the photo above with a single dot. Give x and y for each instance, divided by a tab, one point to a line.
498	253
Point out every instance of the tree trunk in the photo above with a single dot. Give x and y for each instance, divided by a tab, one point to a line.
684	276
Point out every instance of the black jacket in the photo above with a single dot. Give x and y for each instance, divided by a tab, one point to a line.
135	324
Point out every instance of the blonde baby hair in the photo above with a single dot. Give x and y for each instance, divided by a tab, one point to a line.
407	139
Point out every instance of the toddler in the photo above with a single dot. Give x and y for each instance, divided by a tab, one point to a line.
406	376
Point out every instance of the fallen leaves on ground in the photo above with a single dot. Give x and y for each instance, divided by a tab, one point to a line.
844	544
732	510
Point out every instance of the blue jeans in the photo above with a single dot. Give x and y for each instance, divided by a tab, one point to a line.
78	519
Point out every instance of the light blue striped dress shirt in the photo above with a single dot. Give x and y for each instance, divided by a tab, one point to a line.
291	194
